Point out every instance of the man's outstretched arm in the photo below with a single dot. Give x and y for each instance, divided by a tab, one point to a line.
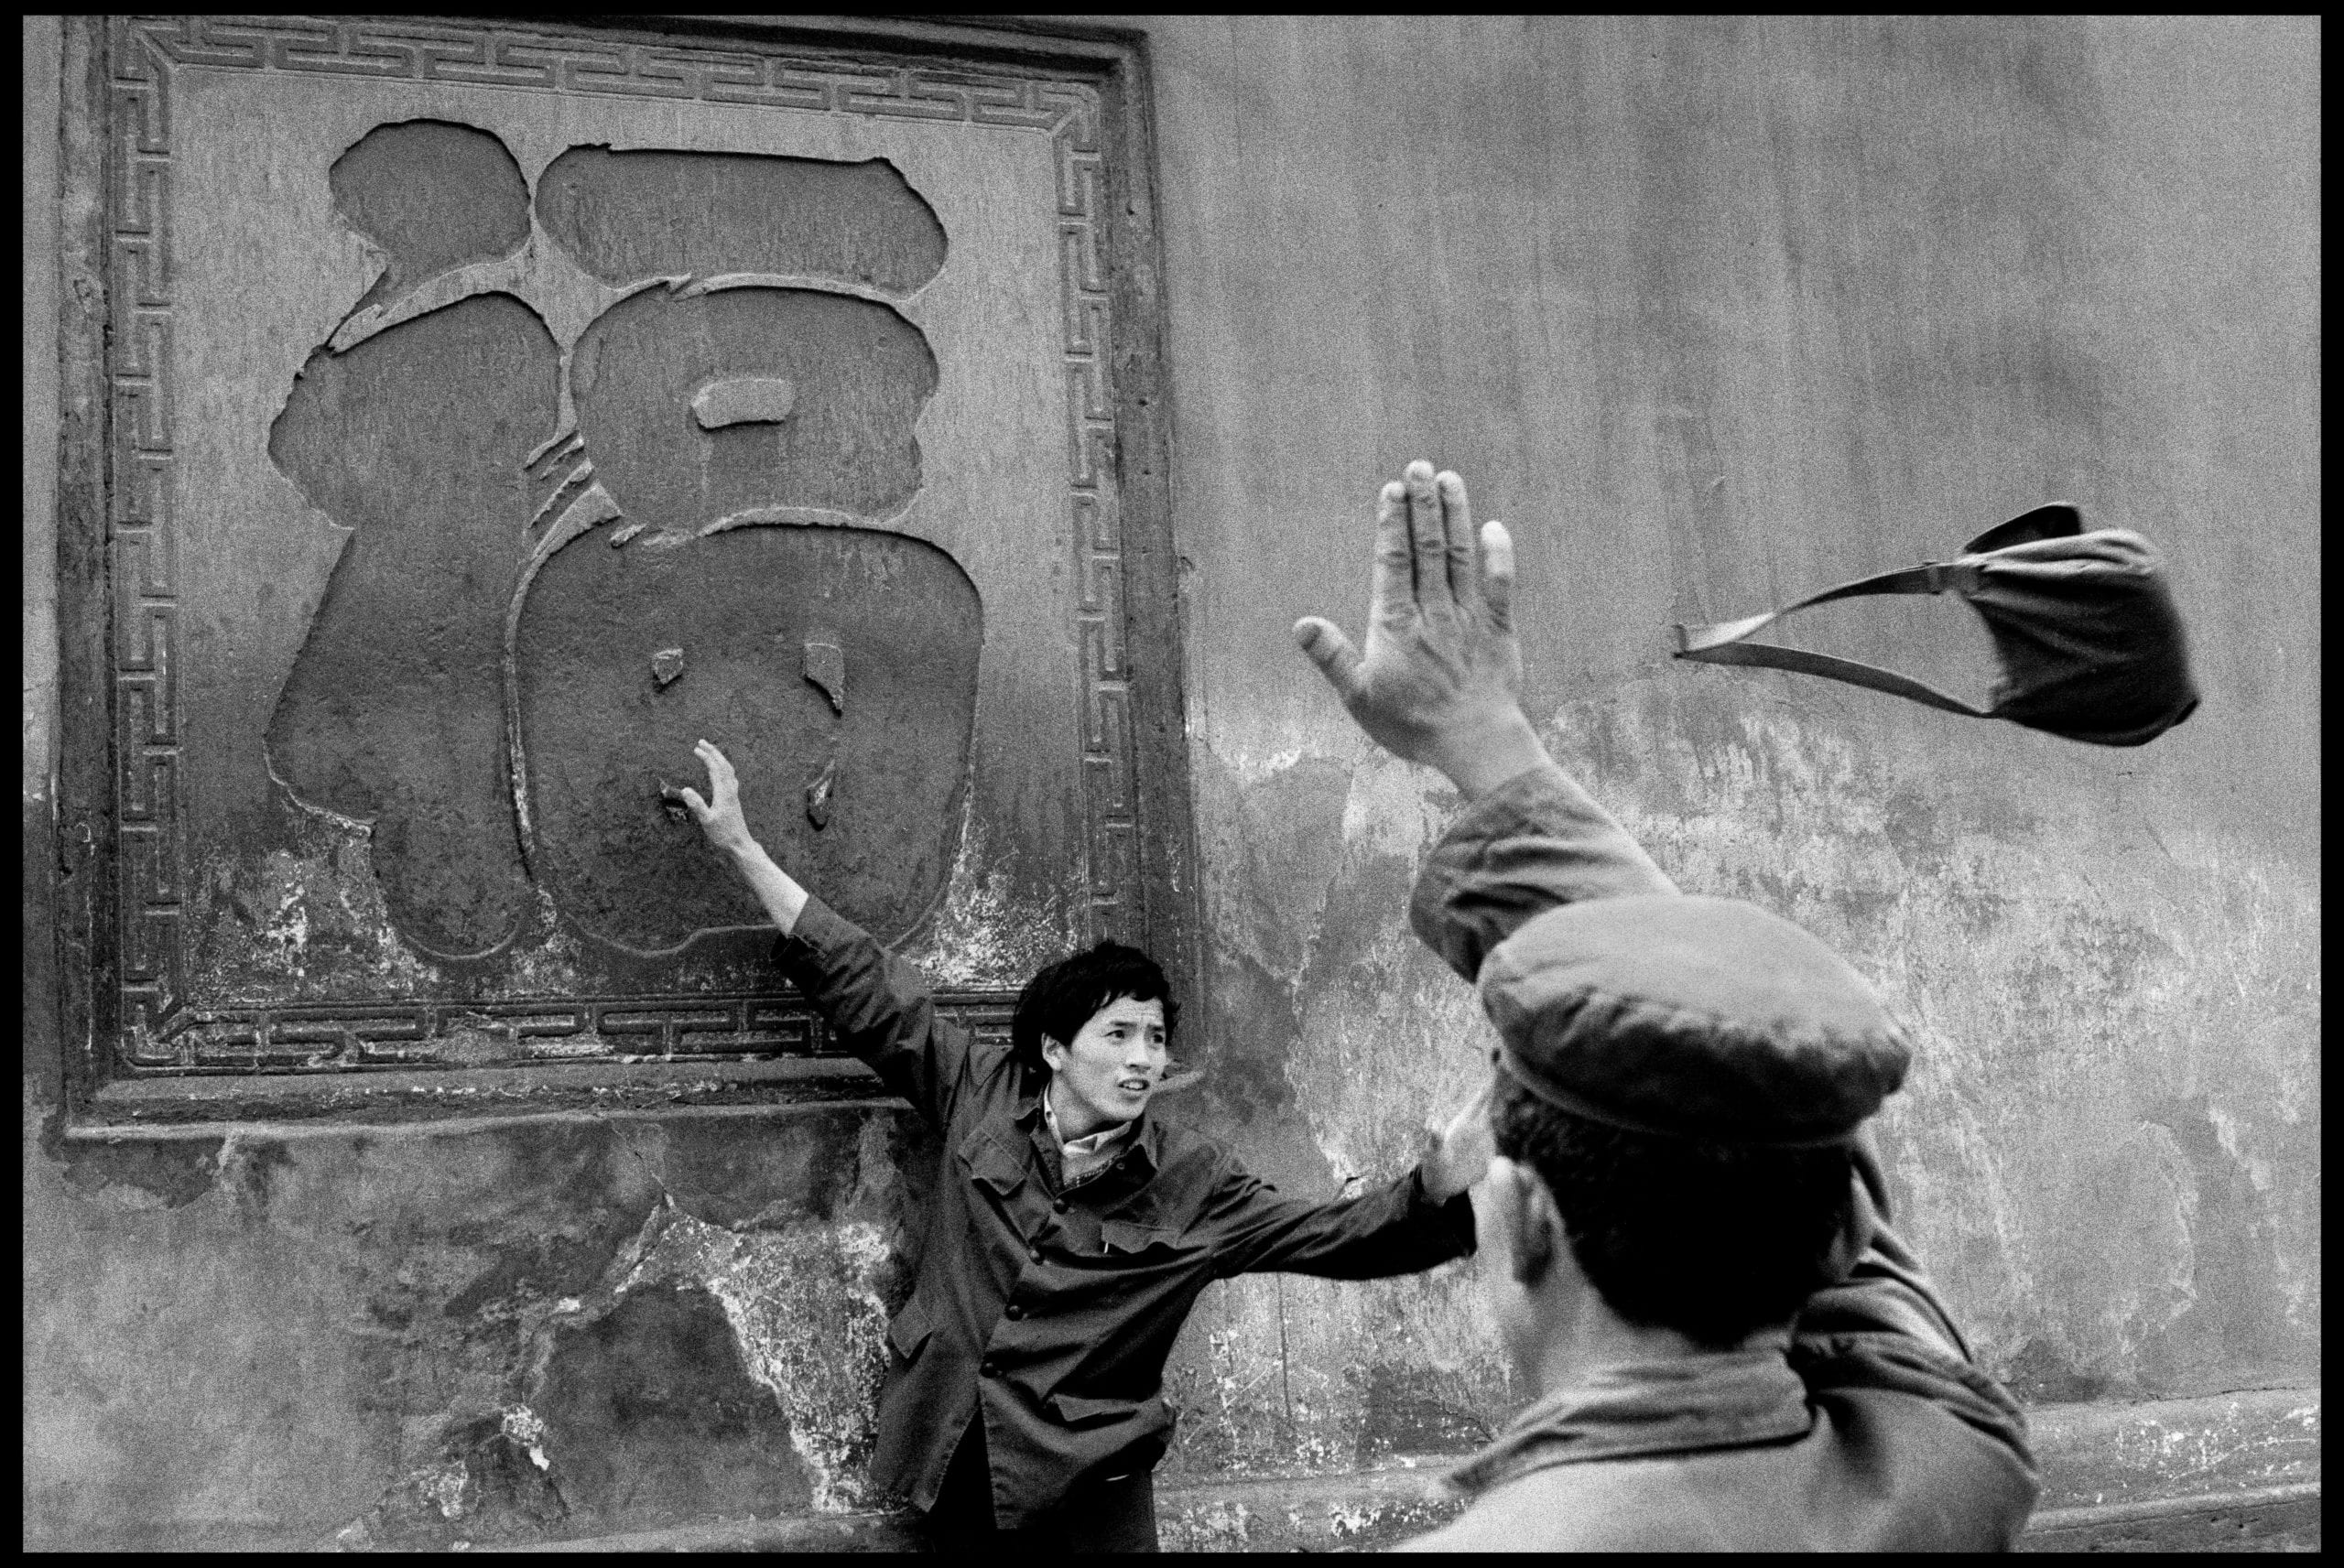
879	1006
1439	683
1398	1228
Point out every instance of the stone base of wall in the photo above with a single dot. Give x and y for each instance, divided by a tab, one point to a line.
2274	1518
1369	1512
2232	1473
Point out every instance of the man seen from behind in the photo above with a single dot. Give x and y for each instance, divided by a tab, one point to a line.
1684	1235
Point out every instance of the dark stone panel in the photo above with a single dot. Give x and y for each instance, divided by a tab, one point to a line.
634	215
748	616
173	1174
395	710
433	196
652	1418
858	376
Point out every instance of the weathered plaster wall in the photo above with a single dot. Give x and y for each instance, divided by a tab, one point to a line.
1710	312
1714	313
41	92
415	1336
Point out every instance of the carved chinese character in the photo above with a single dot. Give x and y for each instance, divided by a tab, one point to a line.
494	686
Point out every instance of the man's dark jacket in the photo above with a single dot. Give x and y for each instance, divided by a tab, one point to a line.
1866	1426
1044	1310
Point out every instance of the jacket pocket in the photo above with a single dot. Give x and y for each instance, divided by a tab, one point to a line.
1002	1169
1130	1235
909	1329
1145	1416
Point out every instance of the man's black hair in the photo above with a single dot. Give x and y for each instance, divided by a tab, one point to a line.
1709	1239
1060	999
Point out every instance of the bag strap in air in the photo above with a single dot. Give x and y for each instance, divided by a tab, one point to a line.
1721	642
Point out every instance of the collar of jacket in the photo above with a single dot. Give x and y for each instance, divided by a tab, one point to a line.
1092	1144
1728	1399
1146	1140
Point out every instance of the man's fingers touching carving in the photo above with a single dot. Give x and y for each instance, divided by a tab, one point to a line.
719	814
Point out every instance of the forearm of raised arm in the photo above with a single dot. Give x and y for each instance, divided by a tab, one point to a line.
1537	840
783	898
1482	755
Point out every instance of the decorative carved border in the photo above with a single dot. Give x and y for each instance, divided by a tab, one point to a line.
159	1030
340	1036
143	551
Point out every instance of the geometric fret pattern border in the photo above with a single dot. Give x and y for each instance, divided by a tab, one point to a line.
338	1036
160	1030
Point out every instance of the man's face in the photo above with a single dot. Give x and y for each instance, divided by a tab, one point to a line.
1108	1070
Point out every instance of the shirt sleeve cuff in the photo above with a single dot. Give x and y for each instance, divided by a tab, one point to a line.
1458	1214
823	947
819	929
1454	1216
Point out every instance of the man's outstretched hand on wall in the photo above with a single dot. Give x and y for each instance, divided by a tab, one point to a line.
1440	682
721	818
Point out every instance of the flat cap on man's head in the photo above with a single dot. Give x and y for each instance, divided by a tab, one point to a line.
1692	1017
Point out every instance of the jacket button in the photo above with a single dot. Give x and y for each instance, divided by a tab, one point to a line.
1033	1254
1058	1206
1013	1311
987	1371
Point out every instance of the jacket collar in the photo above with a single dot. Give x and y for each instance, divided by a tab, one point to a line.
1145	1143
1729	1399
1098	1143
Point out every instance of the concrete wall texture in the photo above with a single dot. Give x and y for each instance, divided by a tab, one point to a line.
1712	313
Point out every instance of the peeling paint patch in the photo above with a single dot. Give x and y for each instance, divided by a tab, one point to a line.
289	927
522	1425
1214	1527
2232	1133
247	1167
1272	849
443	1486
303	924
981	934
548	967
1246	765
1396	807
2103	1454
484	1484
805	1306
1370	1510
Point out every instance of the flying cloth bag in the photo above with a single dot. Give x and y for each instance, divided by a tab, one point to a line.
2084	627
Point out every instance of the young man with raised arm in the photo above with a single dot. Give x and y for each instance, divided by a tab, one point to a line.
1684	1236
1070	1232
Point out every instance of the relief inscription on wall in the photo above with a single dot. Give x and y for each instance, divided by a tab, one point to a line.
642	542
498	409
